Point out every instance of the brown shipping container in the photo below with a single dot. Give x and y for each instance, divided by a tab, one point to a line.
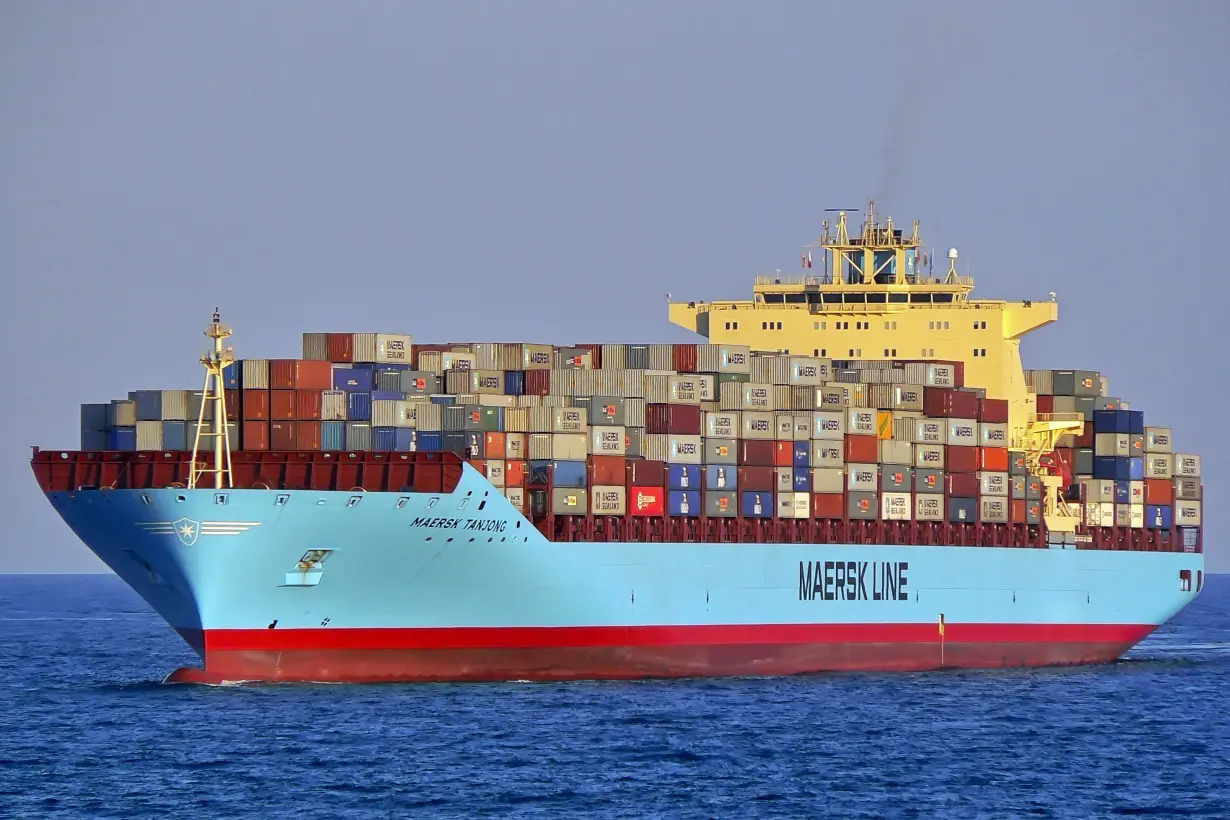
642	473
962	459
282	435
340	347
1046	404
308	405
538	382
684	356
608	470
255	435
256	405
282	405
673	419
757	478
757	454
828	505
307	435
993	411
862	449
234	410
942	402
1016	511
300	374
964	485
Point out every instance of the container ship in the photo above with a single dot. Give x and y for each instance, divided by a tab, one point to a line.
851	471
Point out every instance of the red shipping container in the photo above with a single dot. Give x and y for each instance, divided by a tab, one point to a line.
495	445
993	411
962	459
307	435
993	459
1046	404
595	354
828	505
256	405
962	485
538	382
647	501
675	419
1085	439
1159	491
783	454
643	473
684	358
755	453
300	374
943	402
862	449
234	412
282	405
608	470
760	479
340	347
282	435
1016	510
308	405
514	473
255	435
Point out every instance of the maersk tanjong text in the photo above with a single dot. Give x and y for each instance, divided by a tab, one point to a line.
781	500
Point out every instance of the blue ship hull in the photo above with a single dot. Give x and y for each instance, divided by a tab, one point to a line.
341	586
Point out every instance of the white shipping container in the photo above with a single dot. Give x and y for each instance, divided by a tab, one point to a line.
783	426
569	420
1099	514
684	449
830	426
896	452
1187	489
1136	492
755	397
423	415
495	471
931	431
683	390
993	435
516	497
828	480
608	441
827	454
1159	465
929	507
316	347
861	422
831	398
382	348
895	507
994	509
784	479
333	405
862	477
1158	440
724	358
941	375
723	424
1187	513
1136	515
1186	466
254	374
794	505
963	432
929	456
388	412
149	436
516	446
993	484
608	499
756	426
708	386
1099	490
1112	444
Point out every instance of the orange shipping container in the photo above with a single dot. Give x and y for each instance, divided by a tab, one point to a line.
256	405
783	454
282	405
993	459
494	445
1016	510
1159	491
308	405
256	435
514	473
307	435
859	450
828	505
608	470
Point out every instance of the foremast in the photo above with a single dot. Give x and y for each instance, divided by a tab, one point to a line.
213	396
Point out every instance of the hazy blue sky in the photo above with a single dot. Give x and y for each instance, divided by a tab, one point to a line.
546	171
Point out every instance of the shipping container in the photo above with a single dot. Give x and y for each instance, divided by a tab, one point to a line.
941	402
962	459
1187	466
299	374
962	510
757	504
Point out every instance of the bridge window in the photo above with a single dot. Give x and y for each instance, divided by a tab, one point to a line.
796	298
919	297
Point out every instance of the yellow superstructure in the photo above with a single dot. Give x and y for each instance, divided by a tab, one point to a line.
875	296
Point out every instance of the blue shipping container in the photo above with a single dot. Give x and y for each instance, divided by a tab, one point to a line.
1136	422
94	417
962	510
1136	468
455	442
149	404
429	441
333	435
802	457
802	481
447	401
721	477
122	438
384	439
1123	492
514	383
756	504
404	439
1159	517
388	395
354	379
175	435
230	375
684	503
683	476
1110	468
359	406
1111	421
93	440
567	473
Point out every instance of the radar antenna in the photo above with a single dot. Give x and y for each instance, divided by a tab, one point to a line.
214	397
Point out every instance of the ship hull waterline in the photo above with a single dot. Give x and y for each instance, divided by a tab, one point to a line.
418	587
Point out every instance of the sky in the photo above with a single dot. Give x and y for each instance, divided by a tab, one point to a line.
547	171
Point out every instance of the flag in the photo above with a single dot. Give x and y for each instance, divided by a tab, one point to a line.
809	259
941	624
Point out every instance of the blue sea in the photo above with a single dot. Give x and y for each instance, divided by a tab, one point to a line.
88	730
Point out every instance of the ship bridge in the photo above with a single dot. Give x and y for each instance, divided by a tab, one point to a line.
875	294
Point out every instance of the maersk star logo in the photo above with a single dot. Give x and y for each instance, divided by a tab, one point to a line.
189	531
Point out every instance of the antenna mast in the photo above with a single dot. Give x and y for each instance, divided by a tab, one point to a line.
215	361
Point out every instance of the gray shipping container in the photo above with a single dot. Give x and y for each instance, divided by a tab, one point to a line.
721	451
928	481
862	506
896	479
1077	383
721	504
610	410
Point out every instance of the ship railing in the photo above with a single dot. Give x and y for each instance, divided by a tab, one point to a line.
1061	417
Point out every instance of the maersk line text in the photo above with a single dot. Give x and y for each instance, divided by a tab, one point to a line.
853	580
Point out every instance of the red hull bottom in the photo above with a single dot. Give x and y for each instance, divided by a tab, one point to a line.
389	665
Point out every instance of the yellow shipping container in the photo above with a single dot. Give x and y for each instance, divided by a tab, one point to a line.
884	424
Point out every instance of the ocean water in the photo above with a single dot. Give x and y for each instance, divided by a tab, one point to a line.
88	730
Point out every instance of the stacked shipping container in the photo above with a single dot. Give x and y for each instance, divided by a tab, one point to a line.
684	430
